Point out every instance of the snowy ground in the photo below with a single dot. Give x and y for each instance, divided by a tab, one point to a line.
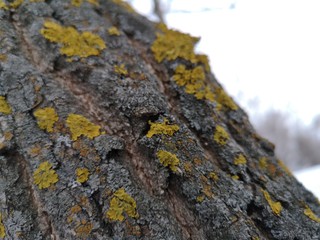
266	53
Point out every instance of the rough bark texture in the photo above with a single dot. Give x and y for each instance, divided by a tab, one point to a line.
227	183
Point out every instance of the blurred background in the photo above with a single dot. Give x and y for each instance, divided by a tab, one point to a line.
266	54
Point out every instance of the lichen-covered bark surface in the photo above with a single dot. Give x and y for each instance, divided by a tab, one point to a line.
103	137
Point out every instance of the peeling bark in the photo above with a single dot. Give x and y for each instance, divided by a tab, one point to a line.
231	186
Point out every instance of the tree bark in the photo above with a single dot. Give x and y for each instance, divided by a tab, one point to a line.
105	136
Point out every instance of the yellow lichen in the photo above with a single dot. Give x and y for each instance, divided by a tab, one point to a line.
76	3
310	214
4	106
16	3
235	177
204	60
79	125
263	164
162	128
3	5
124	5
44	176
220	135
213	176
276	207
168	159
73	43
120	69
188	167
84	228
284	168
200	198
224	99
113	31
172	44
3	57
2	228
240	160
121	203
194	82
46	118
82	175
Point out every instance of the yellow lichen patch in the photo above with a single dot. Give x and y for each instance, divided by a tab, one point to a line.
194	82
84	228
220	135
46	118
79	125
93	2
284	168
3	57
310	214
276	207
73	43
3	5
2	229
35	150
16	3
200	198
213	176
172	44
263	164
113	31
76	3
45	176
121	203
188	167
224	99
204	60
4	106
168	159
82	175
125	5
162	128
240	160
120	69
235	177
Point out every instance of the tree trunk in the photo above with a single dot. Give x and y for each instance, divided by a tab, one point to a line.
113	128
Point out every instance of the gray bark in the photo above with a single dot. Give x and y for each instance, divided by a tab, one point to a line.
190	203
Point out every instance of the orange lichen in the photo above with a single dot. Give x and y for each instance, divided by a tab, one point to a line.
79	125
194	82
220	135
46	118
120	69
121	203
240	160
172	44
84	228
4	106
2	228
310	214
224	99
113	31
284	168
162	128
82	175
73	43
44	176
124	5
168	159
276	207
35	151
